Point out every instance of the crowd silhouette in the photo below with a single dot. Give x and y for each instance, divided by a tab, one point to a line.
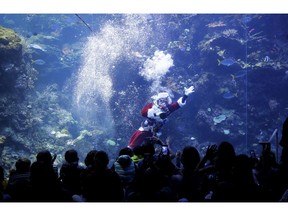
149	173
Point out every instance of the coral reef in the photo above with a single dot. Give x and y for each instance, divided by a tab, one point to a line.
230	32
111	142
10	46
64	133
26	78
218	119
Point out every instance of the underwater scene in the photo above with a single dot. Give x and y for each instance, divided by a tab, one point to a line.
79	81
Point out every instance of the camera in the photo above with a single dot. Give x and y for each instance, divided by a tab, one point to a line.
252	154
164	150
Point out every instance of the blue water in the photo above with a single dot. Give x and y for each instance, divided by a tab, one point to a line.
86	88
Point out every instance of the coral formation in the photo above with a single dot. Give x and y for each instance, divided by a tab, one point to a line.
219	119
64	133
10	46
111	142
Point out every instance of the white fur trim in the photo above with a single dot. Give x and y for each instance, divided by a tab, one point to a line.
153	110
179	101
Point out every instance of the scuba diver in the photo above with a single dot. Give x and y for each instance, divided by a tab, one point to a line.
156	114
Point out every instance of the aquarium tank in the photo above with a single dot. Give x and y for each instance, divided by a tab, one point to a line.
79	81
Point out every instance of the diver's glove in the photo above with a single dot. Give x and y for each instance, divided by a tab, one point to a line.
187	92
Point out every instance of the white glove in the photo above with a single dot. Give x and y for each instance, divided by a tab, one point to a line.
189	90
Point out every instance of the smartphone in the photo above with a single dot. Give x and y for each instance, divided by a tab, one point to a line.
164	150
252	154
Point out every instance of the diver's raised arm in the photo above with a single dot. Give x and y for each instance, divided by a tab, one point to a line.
187	92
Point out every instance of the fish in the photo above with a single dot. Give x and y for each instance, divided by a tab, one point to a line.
221	53
229	95
31	34
36	46
216	24
246	19
240	73
227	62
233	80
39	62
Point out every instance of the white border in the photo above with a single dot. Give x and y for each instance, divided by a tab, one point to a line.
143	6
144	209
